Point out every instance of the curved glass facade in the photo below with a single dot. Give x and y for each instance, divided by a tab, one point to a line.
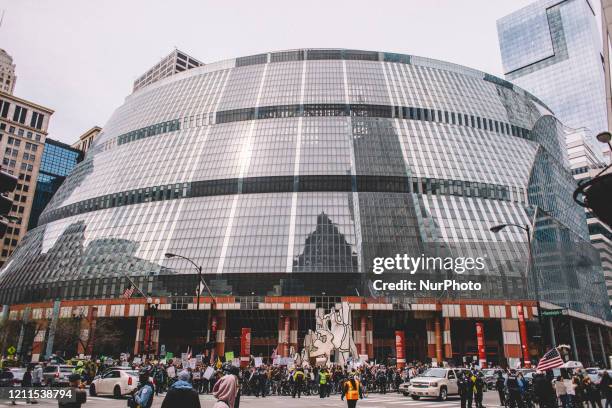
287	173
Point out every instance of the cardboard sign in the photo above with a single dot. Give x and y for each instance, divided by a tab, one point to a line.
171	372
192	363
209	372
229	355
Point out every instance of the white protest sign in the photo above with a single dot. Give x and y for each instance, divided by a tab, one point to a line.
209	372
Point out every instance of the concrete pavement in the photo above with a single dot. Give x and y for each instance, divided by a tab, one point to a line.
390	400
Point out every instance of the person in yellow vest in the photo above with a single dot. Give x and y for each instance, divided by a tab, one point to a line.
323	383
352	391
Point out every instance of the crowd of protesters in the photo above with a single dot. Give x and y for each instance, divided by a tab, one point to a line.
180	383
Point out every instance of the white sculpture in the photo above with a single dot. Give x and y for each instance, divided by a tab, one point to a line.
333	333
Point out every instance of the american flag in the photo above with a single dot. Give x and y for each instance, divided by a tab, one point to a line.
128	292
552	359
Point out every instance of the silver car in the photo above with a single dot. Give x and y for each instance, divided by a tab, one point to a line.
57	375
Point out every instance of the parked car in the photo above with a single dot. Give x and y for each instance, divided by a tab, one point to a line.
403	388
115	382
6	378
57	375
490	377
435	382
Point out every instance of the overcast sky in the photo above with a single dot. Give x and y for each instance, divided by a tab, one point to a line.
80	57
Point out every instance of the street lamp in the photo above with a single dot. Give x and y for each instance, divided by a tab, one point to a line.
201	281
605	137
495	229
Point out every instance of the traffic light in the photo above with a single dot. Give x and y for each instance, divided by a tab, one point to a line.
7	184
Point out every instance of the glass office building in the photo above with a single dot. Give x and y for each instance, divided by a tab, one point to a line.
58	160
286	175
553	49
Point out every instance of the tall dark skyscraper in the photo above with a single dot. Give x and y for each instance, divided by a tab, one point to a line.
58	160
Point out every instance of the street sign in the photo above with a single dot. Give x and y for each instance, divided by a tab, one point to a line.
11	350
552	312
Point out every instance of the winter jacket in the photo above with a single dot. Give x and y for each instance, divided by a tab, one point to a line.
181	394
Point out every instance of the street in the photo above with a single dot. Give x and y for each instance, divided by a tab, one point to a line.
373	401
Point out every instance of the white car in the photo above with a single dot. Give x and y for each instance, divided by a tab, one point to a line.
435	382
403	388
116	382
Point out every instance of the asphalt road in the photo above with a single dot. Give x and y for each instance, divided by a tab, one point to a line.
390	400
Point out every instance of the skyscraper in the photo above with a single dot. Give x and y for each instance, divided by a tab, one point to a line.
58	160
23	130
175	62
7	73
552	49
86	139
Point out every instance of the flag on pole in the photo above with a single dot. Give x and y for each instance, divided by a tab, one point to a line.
552	359
128	292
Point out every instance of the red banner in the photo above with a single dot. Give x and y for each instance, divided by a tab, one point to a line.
482	356
523	333
245	346
400	341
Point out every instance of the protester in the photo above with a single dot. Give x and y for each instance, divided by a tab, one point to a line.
181	394
605	387
226	390
501	389
592	394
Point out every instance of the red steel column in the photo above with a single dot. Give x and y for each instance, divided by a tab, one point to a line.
39	338
287	336
482	356
364	337
219	332
438	334
523	333
245	347
448	347
400	342
431	338
138	337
